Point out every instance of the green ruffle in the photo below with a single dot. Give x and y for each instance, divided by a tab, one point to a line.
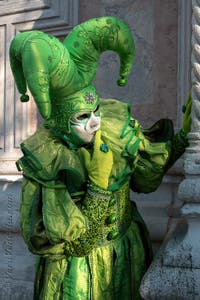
39	211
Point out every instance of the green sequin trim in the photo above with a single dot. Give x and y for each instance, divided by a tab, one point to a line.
94	208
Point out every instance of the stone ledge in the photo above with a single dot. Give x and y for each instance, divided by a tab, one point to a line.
8	167
175	271
10	178
170	282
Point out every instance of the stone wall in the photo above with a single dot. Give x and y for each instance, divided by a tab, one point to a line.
16	262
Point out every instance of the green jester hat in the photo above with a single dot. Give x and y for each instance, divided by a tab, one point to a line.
59	75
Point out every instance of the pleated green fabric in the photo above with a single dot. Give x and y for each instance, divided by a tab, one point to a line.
75	260
116	268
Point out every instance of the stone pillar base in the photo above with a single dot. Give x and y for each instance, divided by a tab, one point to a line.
175	271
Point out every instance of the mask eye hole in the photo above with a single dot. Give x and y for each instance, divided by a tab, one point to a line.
80	117
83	117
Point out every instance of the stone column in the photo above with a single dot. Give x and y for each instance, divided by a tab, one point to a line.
175	272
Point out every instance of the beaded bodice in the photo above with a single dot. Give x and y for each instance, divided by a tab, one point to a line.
119	216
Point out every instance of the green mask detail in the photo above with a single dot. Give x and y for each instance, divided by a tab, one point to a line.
59	75
84	100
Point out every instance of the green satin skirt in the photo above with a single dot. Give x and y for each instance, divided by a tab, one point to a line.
112	271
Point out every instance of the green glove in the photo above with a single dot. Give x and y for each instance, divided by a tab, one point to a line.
187	115
100	164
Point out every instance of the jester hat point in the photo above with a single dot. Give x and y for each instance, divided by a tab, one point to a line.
60	75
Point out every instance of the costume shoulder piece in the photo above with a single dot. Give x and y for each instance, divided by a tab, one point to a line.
45	155
119	129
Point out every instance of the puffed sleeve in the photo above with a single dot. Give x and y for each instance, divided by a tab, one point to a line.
52	224
31	221
158	150
78	228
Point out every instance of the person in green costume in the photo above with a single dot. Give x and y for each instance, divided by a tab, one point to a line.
78	168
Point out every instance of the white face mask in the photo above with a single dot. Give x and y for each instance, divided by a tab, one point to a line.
84	125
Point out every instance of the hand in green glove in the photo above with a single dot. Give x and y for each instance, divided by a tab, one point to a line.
99	165
187	115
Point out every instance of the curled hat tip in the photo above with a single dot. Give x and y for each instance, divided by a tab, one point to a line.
122	81
24	98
